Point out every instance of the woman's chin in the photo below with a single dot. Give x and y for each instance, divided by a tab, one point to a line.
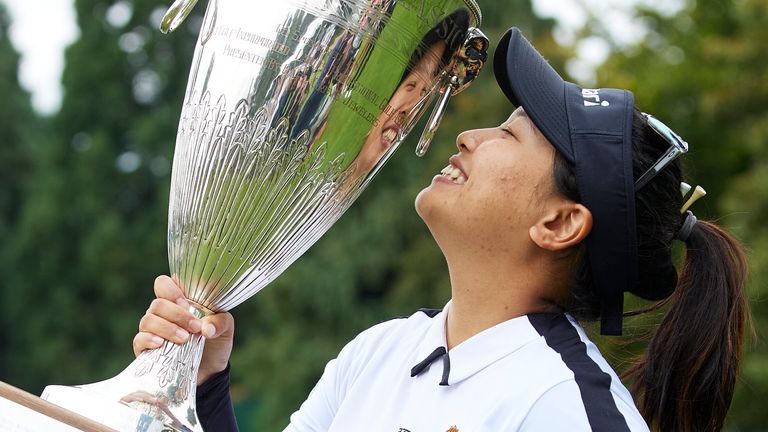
420	203
427	204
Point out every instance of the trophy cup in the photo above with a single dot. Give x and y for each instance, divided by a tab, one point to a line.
291	108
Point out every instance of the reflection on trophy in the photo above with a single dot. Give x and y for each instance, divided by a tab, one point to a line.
290	110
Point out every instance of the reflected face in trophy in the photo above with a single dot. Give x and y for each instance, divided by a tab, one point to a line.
409	92
494	189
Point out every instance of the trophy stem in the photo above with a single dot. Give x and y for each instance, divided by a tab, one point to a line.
157	388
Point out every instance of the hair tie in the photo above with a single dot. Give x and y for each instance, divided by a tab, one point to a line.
688	224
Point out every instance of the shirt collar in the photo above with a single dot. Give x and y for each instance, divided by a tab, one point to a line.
435	336
477	352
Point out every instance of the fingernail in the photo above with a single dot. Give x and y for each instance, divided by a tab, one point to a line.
182	334
157	340
181	301
209	330
195	325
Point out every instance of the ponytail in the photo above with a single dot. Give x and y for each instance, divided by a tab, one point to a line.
685	379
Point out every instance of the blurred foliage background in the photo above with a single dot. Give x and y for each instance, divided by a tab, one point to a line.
84	196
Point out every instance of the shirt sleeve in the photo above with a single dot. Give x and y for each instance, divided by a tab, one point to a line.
561	408
214	404
317	412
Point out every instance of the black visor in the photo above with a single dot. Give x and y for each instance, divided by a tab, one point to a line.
592	130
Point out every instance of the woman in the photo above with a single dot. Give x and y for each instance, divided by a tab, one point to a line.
549	217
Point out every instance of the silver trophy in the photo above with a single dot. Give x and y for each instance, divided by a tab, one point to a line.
291	108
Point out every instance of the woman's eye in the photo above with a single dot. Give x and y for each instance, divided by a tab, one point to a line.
507	131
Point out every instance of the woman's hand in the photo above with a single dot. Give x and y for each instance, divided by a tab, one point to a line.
168	318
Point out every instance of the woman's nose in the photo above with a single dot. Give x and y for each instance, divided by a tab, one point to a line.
406	104
472	139
469	140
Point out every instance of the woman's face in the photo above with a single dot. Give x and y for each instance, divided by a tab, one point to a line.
494	189
407	95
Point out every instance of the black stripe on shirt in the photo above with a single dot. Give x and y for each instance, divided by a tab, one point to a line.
430	312
426	311
594	384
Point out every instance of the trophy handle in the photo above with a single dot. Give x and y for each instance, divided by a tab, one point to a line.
465	65
176	15
434	120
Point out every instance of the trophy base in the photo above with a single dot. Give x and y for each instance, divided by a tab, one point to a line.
156	392
100	409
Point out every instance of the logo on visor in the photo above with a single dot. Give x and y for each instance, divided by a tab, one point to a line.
592	98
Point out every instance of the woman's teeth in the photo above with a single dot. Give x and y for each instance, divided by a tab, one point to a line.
389	135
454	174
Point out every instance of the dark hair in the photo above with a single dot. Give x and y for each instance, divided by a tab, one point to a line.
452	30
684	381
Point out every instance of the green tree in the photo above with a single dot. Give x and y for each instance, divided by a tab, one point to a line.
90	236
16	132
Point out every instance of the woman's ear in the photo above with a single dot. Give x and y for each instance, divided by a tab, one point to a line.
562	228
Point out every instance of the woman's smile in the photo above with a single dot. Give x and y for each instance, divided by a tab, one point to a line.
388	136
453	174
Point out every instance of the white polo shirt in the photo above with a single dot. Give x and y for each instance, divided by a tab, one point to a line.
532	373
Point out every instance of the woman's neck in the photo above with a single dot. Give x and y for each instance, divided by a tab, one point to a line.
486	292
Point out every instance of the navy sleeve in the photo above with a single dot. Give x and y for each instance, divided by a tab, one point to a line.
214	404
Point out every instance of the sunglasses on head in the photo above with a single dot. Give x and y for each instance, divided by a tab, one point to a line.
677	146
